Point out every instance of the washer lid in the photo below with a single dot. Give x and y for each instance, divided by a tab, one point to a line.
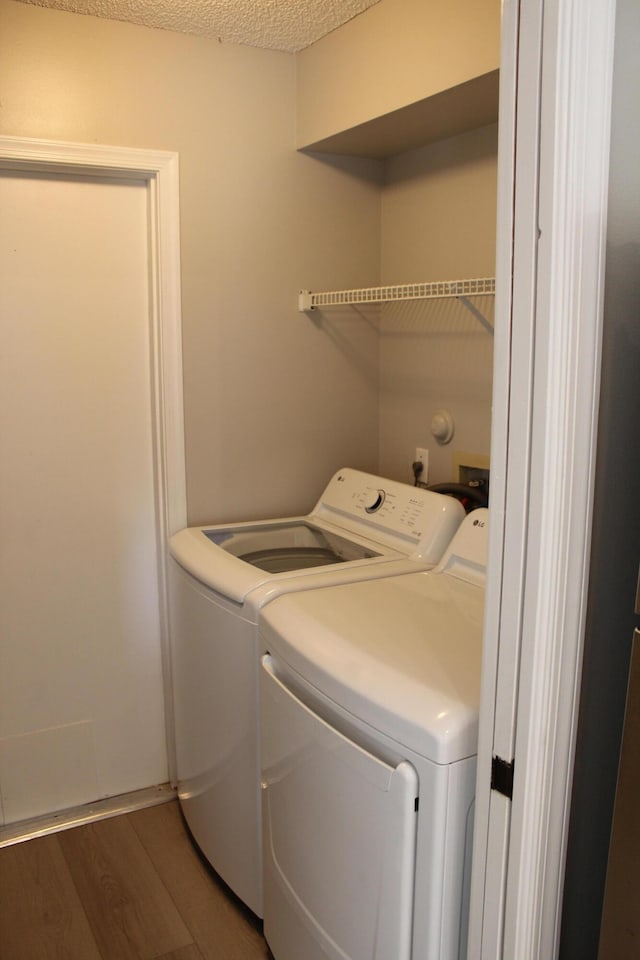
222	556
362	519
401	654
282	547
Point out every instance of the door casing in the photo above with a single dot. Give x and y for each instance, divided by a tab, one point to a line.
159	171
556	73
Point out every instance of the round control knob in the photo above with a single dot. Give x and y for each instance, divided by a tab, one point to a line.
373	500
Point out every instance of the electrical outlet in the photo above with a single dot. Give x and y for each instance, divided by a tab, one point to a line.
422	456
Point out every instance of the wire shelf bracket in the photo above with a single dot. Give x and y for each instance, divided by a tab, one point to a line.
435	290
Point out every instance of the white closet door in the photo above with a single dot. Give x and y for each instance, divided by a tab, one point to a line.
339	838
81	695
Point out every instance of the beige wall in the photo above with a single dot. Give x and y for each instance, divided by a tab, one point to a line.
396	53
438	223
355	88
273	402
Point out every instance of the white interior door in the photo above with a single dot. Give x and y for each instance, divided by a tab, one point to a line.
81	681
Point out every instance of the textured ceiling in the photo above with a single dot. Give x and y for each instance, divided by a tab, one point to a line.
287	25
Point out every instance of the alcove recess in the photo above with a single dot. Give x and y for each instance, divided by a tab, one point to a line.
445	114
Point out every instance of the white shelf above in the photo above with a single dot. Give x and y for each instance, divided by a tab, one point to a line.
434	290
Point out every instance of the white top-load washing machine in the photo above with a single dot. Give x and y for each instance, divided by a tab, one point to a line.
219	578
369	700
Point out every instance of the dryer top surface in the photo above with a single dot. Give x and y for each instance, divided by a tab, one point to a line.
401	654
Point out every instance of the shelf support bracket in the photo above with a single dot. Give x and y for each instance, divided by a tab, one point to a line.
305	301
480	317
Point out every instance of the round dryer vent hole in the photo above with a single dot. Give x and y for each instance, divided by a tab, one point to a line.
442	426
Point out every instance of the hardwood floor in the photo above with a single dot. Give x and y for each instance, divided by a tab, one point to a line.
128	888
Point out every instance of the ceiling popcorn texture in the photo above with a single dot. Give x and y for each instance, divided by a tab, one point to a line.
286	25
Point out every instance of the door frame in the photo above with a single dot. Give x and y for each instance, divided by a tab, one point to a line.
159	172
556	73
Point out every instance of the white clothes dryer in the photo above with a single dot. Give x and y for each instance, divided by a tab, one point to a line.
219	578
369	699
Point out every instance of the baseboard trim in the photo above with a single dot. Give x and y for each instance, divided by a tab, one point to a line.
86	813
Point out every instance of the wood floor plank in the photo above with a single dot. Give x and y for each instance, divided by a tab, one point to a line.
130	911
41	916
185	953
220	926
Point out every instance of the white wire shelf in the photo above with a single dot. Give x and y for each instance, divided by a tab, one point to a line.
434	290
405	291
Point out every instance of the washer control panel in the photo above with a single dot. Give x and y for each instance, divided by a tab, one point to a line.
395	509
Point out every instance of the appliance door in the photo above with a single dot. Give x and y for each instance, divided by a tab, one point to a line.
235	560
286	546
339	828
